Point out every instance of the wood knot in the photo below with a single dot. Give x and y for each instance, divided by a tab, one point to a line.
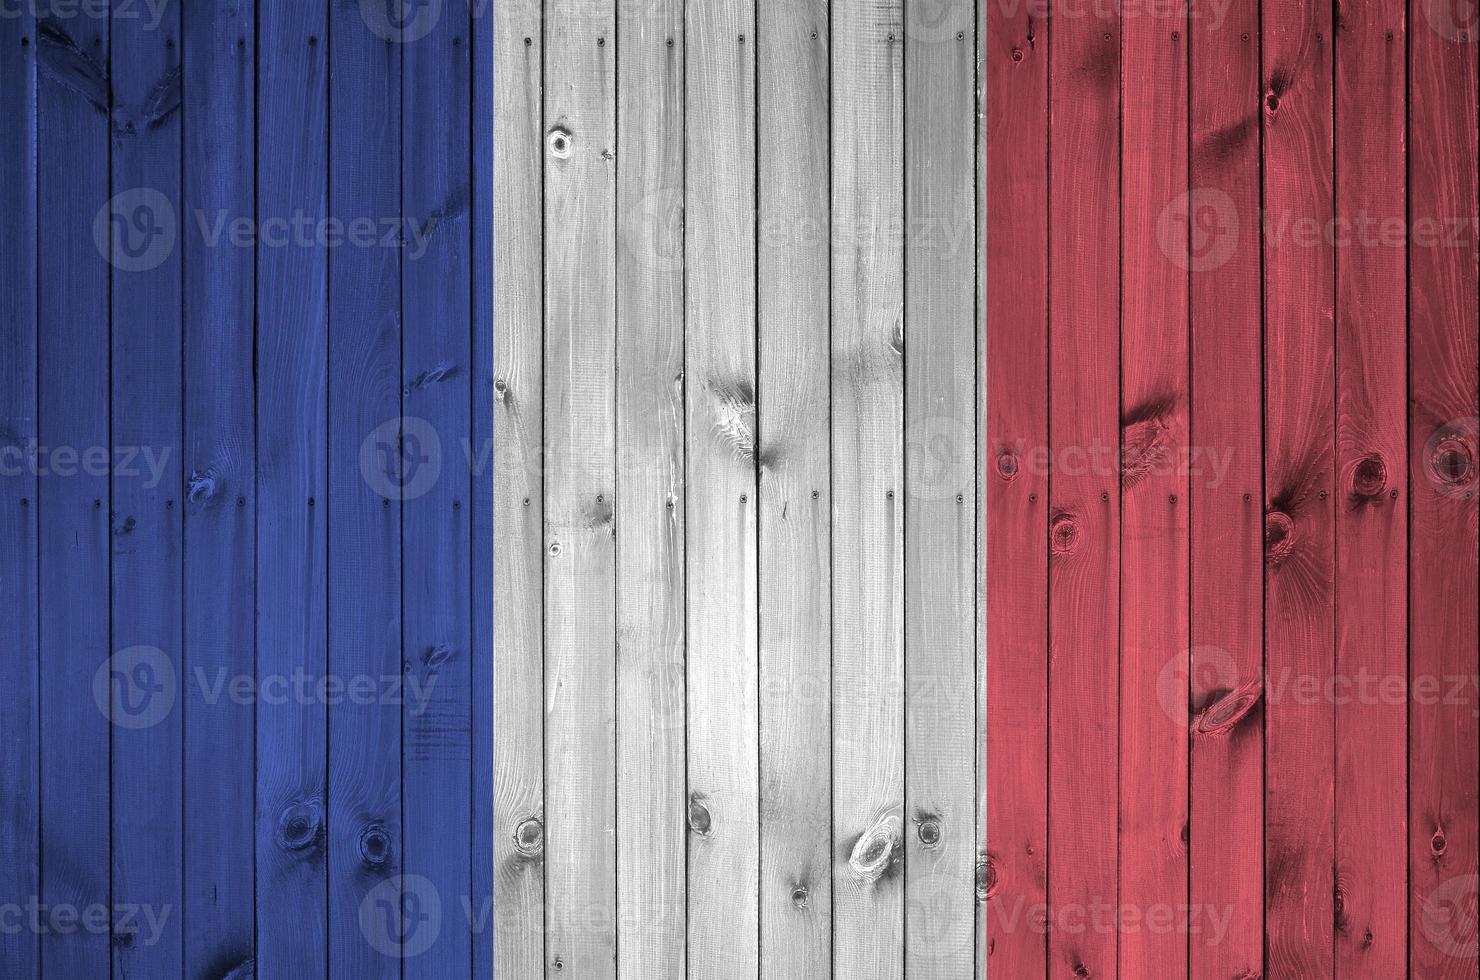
1438	844
201	489
1007	466
1017	54
1064	534
1145	444
529	839
1081	971
799	896
701	821
1450	460
1224	714
301	826
877	851
375	846
986	878
928	830
1272	103
562	141
1367	478
1279	536
1341	921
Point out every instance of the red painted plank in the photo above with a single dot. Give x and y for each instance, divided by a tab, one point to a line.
1299	424
1084	524
1371	511
1443	574
1154	483
1017	490
1224	668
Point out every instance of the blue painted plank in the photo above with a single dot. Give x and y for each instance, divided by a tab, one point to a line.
72	339
292	540
19	778
437	175
365	512
220	498
481	906
146	486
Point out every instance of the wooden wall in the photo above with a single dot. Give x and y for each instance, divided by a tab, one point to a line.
246	495
1232	339
738	392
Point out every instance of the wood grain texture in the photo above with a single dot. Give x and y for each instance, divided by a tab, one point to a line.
366	840
1084	489
1154	558
1300	485
722	520
292	484
1371	507
1017	490
1443	583
519	500
147	532
20	776
219	463
1222	680
436	378
793	401
580	488
940	385
868	491
652	838
73	138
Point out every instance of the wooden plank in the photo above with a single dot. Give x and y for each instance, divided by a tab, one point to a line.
1444	738
1154	484
485	47
367	483
292	480
20	778
1016	874
651	780
793	402
1218	690
519	502
436	541
219	89
721	525
1299	628
580	484
1372	513
868	467
940	487
982	15
1084	523
73	148
147	532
